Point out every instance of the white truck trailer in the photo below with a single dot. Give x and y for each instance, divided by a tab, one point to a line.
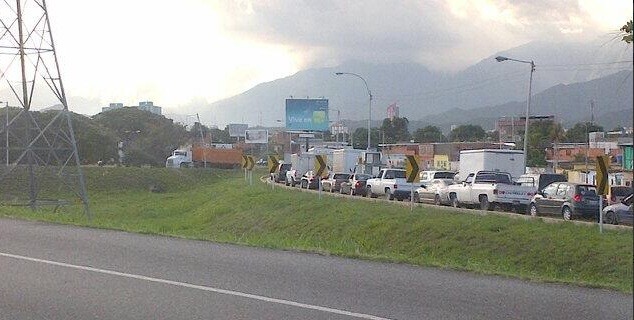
511	161
346	160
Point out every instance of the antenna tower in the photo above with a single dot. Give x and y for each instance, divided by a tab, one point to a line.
39	159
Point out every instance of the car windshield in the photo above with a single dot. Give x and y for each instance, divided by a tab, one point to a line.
363	177
340	176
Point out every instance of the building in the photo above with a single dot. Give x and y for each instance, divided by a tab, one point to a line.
511	129
144	105
392	111
149	107
112	106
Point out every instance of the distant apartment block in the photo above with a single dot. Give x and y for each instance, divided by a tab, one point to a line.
149	106
143	105
112	106
392	111
511	129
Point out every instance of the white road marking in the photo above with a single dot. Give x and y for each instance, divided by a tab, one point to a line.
198	287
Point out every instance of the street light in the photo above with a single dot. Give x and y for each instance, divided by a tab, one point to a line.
528	102
370	103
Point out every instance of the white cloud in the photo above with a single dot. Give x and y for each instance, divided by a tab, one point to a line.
173	52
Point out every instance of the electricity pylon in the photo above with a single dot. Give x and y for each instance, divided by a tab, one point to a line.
41	162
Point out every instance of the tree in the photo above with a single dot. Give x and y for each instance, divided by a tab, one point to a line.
579	132
626	30
542	135
428	134
467	132
148	139
395	130
360	138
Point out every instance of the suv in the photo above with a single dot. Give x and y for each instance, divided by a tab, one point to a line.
280	175
355	185
334	181
566	199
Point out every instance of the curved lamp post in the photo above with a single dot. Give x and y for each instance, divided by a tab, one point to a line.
528	102
370	102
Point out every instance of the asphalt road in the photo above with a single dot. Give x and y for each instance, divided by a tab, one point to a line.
52	271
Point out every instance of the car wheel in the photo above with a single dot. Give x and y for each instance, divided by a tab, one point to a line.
454	201
437	200
304	184
388	194
610	218
566	213
484	203
533	211
416	197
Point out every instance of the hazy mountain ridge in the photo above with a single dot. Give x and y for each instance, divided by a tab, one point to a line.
612	96
419	92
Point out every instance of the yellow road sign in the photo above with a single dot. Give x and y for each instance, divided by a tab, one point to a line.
273	164
411	168
320	166
250	163
244	162
603	164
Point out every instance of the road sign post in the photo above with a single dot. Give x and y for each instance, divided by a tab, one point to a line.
603	186
244	166
250	165
273	163
411	173
320	170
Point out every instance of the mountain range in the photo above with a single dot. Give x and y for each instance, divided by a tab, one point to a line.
567	77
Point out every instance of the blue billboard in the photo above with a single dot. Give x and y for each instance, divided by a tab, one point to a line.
307	114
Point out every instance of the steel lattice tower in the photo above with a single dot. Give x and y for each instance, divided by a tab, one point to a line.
40	162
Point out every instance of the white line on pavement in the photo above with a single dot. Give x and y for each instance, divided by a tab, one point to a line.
198	287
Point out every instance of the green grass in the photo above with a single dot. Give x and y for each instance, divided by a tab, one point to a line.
220	206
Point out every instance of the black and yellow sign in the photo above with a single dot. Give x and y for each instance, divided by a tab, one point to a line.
250	163
603	163
320	166
273	164
245	161
411	168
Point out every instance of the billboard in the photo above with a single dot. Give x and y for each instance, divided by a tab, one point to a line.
307	114
256	136
237	129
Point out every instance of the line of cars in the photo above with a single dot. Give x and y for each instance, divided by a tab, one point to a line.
536	194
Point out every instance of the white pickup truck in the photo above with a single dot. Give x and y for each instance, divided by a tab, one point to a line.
490	189
390	183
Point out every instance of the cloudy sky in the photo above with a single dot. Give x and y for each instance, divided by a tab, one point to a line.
176	52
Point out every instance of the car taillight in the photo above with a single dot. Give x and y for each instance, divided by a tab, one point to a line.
576	198
358	184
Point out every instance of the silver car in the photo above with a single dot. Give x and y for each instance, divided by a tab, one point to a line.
435	191
619	213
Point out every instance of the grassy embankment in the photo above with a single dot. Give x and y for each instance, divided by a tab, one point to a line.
220	206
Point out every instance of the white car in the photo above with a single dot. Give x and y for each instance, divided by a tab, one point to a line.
435	191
